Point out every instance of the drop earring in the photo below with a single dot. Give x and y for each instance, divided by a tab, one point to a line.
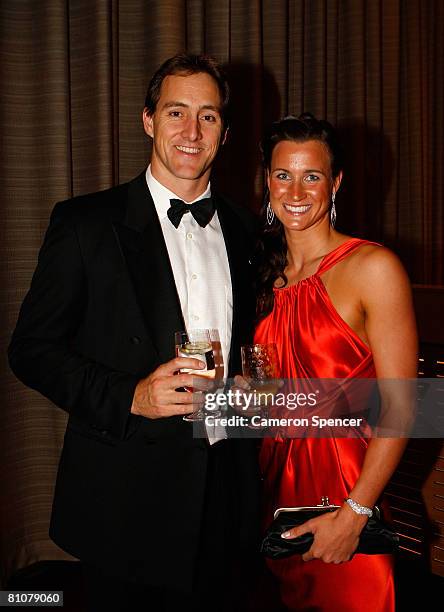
270	214
333	210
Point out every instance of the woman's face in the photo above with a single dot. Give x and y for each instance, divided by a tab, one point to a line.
301	184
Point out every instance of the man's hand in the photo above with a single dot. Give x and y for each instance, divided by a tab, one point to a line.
336	535
155	396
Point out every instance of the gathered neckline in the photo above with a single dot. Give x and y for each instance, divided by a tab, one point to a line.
287	287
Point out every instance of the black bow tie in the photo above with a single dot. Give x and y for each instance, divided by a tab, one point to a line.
202	211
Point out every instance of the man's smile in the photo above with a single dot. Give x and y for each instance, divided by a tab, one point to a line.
189	150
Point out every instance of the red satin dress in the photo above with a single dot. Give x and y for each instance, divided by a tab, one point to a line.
313	341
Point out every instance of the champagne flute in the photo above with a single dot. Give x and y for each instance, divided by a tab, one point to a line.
196	343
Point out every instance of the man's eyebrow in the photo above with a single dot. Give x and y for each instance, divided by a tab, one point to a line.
175	103
216	109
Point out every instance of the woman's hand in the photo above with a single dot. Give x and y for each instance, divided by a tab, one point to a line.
242	399
336	535
243	403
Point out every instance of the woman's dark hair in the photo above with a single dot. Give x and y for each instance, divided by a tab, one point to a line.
187	64
271	253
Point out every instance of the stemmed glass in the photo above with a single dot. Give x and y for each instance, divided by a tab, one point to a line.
196	343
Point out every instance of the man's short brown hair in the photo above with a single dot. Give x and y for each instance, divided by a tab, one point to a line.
187	64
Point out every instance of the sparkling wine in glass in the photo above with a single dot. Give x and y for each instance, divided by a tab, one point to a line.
196	343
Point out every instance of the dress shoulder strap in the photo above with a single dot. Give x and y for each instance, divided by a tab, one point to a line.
341	252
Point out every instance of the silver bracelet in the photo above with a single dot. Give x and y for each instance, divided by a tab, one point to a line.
358	508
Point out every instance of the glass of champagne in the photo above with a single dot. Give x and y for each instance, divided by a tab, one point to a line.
196	343
260	367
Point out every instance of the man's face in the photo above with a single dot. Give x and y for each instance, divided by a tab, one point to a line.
187	129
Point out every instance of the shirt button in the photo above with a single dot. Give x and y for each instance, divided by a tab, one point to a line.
189	236
195	318
194	276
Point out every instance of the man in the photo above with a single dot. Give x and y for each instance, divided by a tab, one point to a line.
148	508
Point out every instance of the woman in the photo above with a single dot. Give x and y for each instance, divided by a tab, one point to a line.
336	307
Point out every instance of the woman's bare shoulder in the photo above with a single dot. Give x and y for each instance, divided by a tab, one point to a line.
376	258
375	268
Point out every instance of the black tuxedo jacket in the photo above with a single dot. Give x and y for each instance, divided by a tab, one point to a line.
101	314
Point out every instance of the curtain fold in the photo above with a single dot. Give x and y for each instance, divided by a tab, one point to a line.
73	78
91	65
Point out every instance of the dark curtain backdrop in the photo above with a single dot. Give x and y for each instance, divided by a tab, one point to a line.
73	75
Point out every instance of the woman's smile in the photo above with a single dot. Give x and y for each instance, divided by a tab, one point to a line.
296	209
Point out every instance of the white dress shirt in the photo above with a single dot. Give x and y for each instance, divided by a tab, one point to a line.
199	261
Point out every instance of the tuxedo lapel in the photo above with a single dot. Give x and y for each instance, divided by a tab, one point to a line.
143	247
238	253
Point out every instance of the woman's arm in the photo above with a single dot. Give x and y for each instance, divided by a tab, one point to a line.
391	330
389	320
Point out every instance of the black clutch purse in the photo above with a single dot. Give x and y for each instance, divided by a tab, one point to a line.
376	538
